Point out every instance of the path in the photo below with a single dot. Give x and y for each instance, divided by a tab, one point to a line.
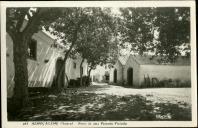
108	102
172	95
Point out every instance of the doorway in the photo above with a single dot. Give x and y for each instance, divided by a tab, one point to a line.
115	76
130	76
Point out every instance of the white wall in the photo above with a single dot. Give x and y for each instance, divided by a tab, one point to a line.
74	73
40	73
99	72
119	68
9	65
165	72
131	63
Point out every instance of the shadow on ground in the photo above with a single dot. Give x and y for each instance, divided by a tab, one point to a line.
77	106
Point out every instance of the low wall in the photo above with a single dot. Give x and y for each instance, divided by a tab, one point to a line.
165	72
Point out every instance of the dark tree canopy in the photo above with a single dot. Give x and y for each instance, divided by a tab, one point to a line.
160	30
174	30
87	30
97	42
35	18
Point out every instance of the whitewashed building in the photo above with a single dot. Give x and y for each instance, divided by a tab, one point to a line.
73	68
116	73
137	69
43	54
41	61
100	74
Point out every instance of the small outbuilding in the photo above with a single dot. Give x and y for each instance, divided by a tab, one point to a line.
139	71
117	72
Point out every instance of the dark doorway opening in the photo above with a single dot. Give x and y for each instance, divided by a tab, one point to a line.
130	76
107	76
59	63
115	76
32	49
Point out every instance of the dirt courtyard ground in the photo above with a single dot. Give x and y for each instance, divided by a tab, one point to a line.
173	95
108	102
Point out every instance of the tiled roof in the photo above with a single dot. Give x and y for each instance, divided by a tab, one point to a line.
123	59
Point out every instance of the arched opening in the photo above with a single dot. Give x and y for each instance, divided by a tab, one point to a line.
130	76
115	76
61	80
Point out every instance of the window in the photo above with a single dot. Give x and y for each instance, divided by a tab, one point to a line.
32	49
74	65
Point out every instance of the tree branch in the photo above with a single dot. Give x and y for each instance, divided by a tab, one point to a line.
32	21
19	24
68	52
11	32
73	41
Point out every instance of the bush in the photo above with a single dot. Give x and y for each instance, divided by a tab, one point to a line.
76	83
86	81
186	84
111	83
178	82
167	83
38	90
154	82
72	83
174	83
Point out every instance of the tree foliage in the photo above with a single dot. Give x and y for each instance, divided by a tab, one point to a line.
96	40
159	30
28	21
174	30
86	31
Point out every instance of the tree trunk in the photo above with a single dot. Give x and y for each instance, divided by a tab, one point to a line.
58	79
81	72
89	73
59	75
67	80
20	97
